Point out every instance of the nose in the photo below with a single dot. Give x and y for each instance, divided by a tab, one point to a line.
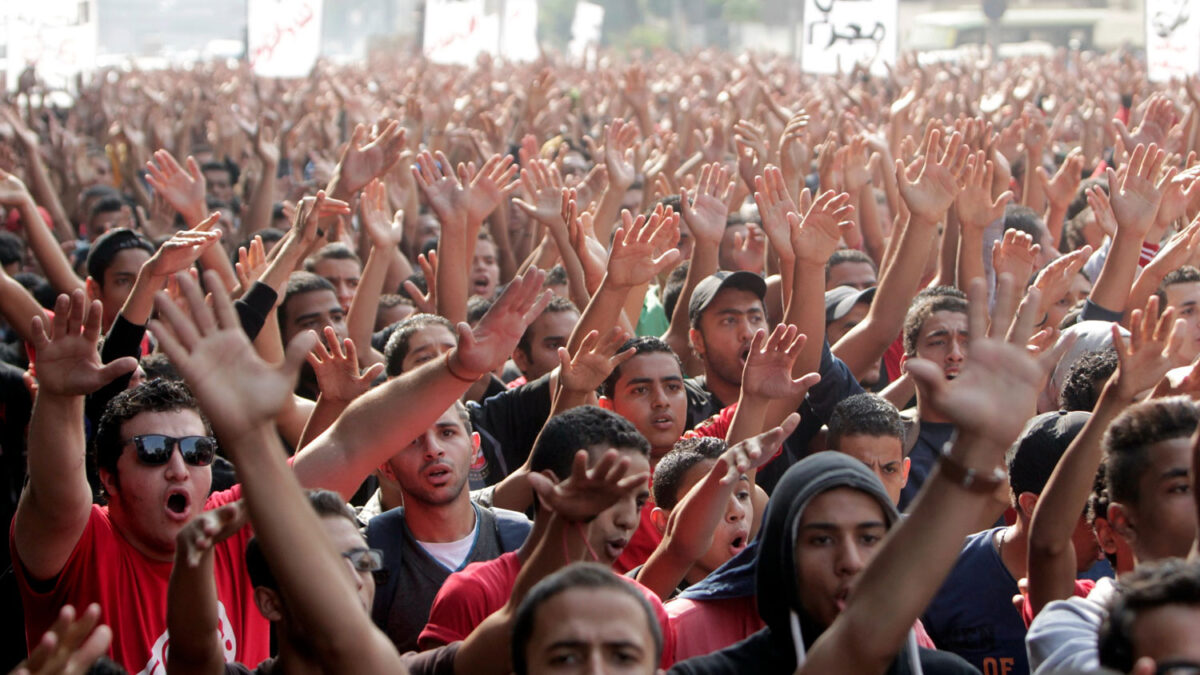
433	447
176	469
734	510
626	515
659	398
850	560
957	353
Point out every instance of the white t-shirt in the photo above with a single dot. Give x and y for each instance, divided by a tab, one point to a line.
452	554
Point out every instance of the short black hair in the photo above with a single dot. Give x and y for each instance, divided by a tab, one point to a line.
12	249
865	414
299	283
557	276
397	344
104	250
674	288
1133	432
327	504
578	575
588	428
1081	389
1180	275
1024	219
161	395
557	305
477	306
920	311
1148	587
226	166
845	255
646	344
335	251
107	204
670	470
157	365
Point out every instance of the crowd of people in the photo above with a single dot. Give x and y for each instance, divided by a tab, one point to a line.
678	363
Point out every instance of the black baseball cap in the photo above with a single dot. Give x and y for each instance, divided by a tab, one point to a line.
106	247
840	300
710	286
1046	437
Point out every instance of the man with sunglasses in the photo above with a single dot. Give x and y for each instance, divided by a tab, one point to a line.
66	550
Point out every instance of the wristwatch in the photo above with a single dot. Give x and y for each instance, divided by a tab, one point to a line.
971	480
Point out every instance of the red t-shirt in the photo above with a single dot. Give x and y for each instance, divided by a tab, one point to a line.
472	595
131	590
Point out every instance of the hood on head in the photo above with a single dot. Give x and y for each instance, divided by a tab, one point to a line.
775	574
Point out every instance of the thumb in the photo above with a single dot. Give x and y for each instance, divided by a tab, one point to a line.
373	372
297	352
927	377
115	369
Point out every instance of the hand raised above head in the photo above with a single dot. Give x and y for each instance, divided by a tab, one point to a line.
487	346
67	362
586	493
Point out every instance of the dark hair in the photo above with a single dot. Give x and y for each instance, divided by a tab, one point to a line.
557	276
670	470
299	283
327	504
1079	203
674	287
1024	219
389	300
104	250
920	311
845	255
226	166
397	344
578	575
864	414
12	250
1180	275
557	305
160	395
584	428
1150	586
38	287
1072	233
335	251
646	344
107	204
1081	389
1130	435
1097	507
157	365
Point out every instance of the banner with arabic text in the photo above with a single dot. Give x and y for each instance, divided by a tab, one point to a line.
1172	39
840	33
283	36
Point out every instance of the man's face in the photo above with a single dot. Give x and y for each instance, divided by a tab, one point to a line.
591	631
733	531
428	229
343	274
840	531
649	393
346	539
396	313
943	340
313	311
100	223
1164	518
1080	287
151	504
219	184
485	269
835	330
1185	298
860	275
687	243
882	454
434	468
609	533
118	281
426	344
1167	633
725	330
546	334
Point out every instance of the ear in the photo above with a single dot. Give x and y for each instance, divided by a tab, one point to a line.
520	359
269	603
1105	536
904	471
1026	501
110	482
1121	521
605	402
903	361
475	441
696	340
386	470
658	518
93	289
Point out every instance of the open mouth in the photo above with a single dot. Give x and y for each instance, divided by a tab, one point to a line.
737	545
744	355
479	285
177	504
841	598
662	423
615	547
438	474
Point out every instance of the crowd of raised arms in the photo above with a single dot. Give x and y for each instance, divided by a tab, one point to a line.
630	369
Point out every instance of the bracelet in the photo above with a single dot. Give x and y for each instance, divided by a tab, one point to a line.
971	480
449	369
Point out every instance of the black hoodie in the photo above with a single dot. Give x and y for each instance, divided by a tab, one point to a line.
773	650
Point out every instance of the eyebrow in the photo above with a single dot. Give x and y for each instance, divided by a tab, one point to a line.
1174	472
650	380
582	644
832	527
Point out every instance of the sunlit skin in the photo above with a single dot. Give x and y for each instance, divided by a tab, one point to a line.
485	269
591	631
860	275
609	533
884	455
426	344
722	338
942	340
434	468
838	534
1185	298
118	281
1163	522
344	274
546	334
733	531
649	392
313	311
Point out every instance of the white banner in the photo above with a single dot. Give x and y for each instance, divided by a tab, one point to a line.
519	39
283	36
456	31
841	33
57	37
1172	39
585	29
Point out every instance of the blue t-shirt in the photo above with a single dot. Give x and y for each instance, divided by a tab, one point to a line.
972	614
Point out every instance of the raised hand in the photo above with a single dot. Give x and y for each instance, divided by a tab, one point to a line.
251	262
486	347
632	261
336	368
71	645
937	180
619	138
593	361
237	389
384	229
704	209
67	362
1055	279
816	237
210	528
768	370
1135	197
586	493
1060	189
183	190
1015	254
974	204
1152	350
774	204
1101	207
542	187
368	156
184	248
426	302
1158	120
857	166
752	150
12	191
752	453
489	186
442	189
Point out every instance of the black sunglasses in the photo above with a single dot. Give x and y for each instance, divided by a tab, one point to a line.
156	449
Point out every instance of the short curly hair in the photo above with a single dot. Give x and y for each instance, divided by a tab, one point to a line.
923	307
1129	436
584	428
1081	390
159	395
670	470
1153	585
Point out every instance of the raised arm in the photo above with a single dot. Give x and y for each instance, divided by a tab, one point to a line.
184	191
448	199
49	254
385	235
56	500
704	211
